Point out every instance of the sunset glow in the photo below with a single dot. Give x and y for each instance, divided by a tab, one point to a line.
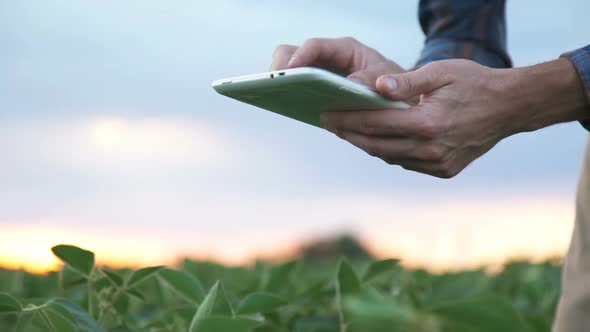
442	238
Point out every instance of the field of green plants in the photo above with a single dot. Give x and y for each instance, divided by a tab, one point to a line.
301	296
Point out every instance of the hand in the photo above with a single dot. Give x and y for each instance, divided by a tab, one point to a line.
345	56
465	109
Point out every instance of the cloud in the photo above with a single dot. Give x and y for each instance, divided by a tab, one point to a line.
119	144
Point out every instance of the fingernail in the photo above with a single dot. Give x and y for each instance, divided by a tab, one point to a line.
390	83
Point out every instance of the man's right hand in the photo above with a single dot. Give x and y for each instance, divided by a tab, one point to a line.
345	56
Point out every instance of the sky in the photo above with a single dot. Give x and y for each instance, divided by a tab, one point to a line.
112	139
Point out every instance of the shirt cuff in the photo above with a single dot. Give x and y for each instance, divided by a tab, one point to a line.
444	48
581	60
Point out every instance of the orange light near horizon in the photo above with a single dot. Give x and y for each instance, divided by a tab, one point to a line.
491	234
29	247
447	236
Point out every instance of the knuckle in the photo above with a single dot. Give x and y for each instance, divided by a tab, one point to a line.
435	70
391	161
432	153
350	40
446	171
434	67
440	70
428	129
447	174
371	149
283	48
390	126
407	84
312	42
367	127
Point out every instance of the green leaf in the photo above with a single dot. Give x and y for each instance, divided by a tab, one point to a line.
378	268
269	328
135	294
142	274
278	276
312	289
184	284
115	279
260	302
347	280
317	324
486	313
121	304
370	304
24	321
225	324
80	259
82	319
70	277
9	304
214	304
57	322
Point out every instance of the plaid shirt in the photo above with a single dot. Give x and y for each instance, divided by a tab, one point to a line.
476	30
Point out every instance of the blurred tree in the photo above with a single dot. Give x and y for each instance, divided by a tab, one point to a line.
334	247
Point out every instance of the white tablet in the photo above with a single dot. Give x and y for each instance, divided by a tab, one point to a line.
303	93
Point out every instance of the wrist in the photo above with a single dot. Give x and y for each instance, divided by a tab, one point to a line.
544	94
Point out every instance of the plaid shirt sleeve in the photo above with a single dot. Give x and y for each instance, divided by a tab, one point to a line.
465	29
581	60
476	30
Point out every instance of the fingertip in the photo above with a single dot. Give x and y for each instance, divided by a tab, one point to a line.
301	58
379	84
294	61
278	67
387	83
277	64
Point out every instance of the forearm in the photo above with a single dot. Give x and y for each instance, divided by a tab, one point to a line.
544	94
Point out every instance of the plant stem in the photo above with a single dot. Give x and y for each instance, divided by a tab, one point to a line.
90	292
102	312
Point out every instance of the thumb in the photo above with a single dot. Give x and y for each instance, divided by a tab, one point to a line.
410	84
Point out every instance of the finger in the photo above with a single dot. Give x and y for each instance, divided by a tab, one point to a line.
413	83
370	75
385	148
281	56
410	122
427	167
336	54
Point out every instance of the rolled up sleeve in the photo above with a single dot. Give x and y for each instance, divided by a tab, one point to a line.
581	60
